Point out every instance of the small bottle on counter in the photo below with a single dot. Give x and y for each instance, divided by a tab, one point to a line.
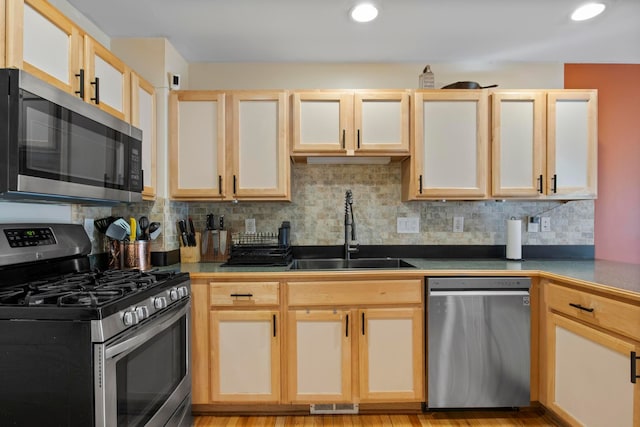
426	80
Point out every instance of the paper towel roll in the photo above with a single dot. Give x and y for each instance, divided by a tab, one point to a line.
514	239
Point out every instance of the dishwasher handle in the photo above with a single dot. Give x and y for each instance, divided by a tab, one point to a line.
478	293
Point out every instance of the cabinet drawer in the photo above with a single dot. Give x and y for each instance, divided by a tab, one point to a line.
239	294
333	293
607	313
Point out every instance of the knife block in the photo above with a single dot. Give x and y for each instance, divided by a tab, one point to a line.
211	255
190	254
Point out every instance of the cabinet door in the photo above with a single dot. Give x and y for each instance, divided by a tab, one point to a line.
196	144
108	80
143	116
572	138
391	348
450	149
322	122
261	165
381	121
43	42
245	356
319	356
518	143
588	375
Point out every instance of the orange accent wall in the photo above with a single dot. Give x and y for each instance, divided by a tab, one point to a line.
617	209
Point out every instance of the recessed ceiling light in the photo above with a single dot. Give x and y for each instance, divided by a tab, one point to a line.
364	12
587	11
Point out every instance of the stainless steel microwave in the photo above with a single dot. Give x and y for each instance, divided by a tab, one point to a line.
54	146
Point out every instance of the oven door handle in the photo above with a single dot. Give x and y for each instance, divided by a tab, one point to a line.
113	350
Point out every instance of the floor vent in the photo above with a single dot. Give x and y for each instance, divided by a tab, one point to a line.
333	408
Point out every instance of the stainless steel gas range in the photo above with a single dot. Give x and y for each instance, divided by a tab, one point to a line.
87	348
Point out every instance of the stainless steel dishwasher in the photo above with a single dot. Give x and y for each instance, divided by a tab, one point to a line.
478	342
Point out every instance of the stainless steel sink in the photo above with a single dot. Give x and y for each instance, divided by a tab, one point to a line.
340	264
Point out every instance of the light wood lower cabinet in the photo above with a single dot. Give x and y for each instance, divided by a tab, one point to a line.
339	352
588	376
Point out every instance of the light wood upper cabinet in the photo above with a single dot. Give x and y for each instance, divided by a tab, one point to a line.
450	151
107	80
544	144
143	116
197	145
348	123
2	33
45	43
260	166
572	139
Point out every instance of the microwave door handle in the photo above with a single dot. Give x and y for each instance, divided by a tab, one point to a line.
133	342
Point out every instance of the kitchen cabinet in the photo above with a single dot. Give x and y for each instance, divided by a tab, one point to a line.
589	341
342	337
261	168
45	43
544	143
143	116
228	145
449	157
2	33
197	145
350	123
107	80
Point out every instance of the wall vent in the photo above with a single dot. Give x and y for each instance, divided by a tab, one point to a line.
333	408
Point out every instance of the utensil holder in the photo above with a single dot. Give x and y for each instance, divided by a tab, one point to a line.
137	254
191	254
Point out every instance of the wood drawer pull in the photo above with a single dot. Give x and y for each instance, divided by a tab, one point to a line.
241	295
579	307
634	359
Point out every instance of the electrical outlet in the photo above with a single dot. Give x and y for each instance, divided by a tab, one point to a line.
545	224
250	226
408	225
458	224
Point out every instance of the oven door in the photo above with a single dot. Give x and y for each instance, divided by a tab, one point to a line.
143	378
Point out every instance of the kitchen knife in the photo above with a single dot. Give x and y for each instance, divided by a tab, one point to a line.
192	233
183	232
223	237
208	232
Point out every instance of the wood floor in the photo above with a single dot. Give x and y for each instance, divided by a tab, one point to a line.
439	419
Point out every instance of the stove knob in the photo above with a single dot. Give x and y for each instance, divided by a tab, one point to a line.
130	318
183	292
160	302
142	312
173	294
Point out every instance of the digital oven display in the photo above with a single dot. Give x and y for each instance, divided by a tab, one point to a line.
23	237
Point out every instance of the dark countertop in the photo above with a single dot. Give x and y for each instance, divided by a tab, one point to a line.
617	275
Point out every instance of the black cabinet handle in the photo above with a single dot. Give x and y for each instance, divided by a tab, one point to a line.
540	189
634	359
363	323
274	325
219	184
344	139
555	183
346	329
80	76
358	138
579	307
96	83
241	295
420	181
234	184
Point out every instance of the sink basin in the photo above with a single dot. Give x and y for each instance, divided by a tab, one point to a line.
341	264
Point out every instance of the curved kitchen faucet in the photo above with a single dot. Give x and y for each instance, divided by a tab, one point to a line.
349	227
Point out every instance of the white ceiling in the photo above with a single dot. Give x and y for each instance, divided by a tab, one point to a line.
425	31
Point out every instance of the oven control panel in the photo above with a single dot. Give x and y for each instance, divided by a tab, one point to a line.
24	237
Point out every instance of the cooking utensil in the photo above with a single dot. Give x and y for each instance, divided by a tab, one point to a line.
103	223
466	85
192	233
134	229
118	230
154	230
143	223
183	232
223	237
